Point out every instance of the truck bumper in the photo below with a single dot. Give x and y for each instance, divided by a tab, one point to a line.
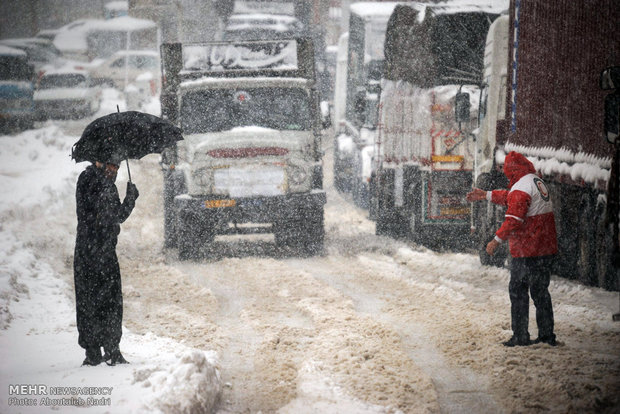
245	210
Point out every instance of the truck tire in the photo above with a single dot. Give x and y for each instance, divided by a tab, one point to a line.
173	185
586	245
193	233
389	223
605	269
303	232
170	224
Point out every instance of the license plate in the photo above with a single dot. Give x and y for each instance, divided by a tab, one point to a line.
220	203
454	211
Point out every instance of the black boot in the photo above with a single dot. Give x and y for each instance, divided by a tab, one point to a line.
114	357
93	357
549	340
516	341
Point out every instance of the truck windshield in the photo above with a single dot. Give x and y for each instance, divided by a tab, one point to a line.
224	109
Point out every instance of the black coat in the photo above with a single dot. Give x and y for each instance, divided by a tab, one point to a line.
98	295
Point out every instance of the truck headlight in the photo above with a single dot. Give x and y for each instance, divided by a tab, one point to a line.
297	175
201	177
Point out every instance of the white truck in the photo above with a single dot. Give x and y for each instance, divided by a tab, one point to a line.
424	157
251	158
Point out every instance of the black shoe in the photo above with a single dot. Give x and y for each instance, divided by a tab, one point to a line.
515	341
116	358
549	340
93	357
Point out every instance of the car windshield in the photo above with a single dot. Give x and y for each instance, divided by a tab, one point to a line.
223	109
15	68
69	80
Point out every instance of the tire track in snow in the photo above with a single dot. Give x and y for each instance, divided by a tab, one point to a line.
459	389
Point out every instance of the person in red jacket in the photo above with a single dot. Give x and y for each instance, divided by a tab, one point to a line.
529	227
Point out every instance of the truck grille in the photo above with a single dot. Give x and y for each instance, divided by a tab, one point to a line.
250	181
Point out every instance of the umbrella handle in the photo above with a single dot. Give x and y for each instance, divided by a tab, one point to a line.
128	172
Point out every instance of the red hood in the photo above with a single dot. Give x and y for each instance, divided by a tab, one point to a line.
516	166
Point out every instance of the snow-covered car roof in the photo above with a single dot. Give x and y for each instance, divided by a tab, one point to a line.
9	51
26	41
122	23
66	70
73	35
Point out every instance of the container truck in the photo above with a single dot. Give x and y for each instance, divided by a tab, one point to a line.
548	58
424	158
355	124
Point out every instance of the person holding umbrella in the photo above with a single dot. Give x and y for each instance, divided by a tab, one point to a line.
106	142
529	226
99	299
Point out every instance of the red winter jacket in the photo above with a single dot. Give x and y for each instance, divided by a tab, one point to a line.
529	225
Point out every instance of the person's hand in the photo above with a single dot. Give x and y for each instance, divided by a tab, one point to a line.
476	195
132	191
492	246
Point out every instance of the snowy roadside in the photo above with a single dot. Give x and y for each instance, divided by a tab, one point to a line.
38	337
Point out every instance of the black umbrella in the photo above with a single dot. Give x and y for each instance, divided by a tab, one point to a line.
123	135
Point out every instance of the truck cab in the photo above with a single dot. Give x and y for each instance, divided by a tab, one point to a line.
487	217
250	161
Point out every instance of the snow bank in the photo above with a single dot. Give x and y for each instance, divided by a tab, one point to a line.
38	335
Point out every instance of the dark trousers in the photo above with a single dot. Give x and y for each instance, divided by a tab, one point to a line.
531	274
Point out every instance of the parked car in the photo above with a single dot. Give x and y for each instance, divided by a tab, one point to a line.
123	67
16	90
41	52
66	93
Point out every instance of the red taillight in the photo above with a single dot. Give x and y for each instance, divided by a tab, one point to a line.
247	152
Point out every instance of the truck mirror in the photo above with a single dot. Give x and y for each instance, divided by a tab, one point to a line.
610	80
612	107
461	107
360	105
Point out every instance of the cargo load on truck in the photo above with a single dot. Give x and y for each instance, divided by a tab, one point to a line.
423	156
251	160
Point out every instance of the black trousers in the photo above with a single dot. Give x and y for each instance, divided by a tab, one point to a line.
531	274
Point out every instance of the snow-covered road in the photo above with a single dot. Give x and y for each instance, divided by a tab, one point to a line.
374	325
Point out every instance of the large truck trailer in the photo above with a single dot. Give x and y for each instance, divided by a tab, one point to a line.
424	158
547	58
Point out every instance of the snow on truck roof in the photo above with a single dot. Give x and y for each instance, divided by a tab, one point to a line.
469	6
370	9
250	81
